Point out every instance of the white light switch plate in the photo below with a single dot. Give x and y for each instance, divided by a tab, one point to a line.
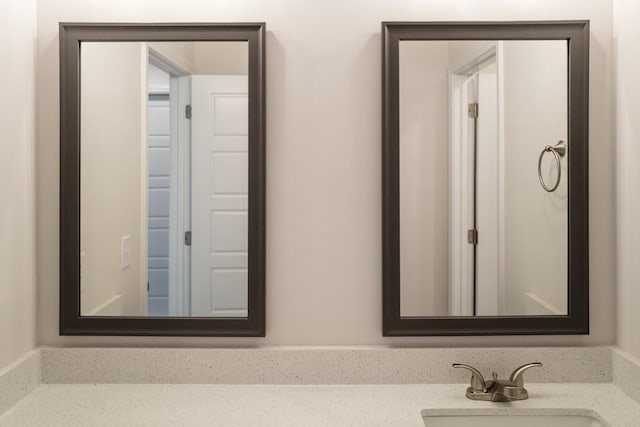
125	251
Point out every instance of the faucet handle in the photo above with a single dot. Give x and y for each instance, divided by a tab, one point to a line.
517	376
477	380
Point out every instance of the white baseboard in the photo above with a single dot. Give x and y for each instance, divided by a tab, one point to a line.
536	306
111	307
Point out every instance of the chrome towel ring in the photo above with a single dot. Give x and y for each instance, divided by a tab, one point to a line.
559	150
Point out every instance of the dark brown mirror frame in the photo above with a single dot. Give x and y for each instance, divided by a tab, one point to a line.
71	323
577	320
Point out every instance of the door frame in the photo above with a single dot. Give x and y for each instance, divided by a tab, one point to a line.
179	192
461	295
180	280
144	205
461	299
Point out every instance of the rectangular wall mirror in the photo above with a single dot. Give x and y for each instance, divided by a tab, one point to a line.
485	178
162	179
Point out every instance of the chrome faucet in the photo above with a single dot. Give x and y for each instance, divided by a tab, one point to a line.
497	390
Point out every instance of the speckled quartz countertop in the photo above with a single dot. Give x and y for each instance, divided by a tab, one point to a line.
297	405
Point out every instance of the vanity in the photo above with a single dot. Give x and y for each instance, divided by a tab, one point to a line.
578	387
148	405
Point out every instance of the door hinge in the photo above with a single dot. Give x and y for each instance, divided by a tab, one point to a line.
473	110
187	238
187	111
472	236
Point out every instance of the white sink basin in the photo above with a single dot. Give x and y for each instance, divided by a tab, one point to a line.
510	421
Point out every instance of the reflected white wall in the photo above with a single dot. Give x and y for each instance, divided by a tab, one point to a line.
536	233
424	178
113	178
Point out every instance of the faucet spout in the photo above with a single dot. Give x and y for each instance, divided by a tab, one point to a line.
517	375
477	380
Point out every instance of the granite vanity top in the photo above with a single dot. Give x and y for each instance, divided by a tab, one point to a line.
297	405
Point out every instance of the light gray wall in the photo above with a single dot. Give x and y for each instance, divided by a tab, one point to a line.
424	178
113	139
323	179
536	231
627	62
224	58
17	186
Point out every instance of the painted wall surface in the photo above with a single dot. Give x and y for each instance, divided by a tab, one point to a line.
224	58
179	53
627	62
17	186
424	178
536	232
207	57
323	176
113	135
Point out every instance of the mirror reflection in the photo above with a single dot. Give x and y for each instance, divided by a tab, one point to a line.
483	177
164	172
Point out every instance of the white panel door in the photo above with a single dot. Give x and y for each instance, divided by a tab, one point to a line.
219	188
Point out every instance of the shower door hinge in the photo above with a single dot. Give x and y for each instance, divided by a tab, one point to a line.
187	238
187	111
473	110
472	236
